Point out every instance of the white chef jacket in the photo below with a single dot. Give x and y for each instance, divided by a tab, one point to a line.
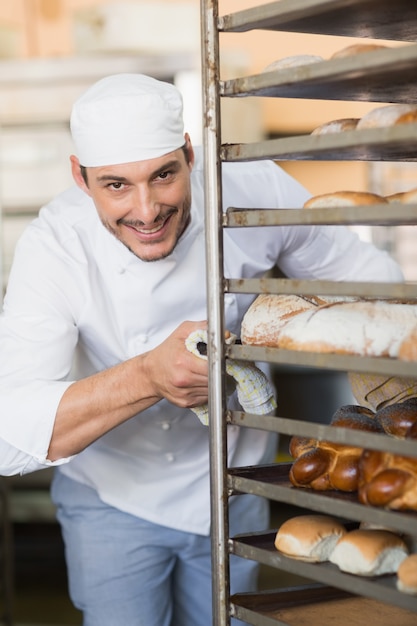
79	302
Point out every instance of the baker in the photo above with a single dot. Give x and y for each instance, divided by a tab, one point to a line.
95	378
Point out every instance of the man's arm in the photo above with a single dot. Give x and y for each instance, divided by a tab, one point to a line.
95	405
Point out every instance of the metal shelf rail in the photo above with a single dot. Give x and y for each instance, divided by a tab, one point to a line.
379	76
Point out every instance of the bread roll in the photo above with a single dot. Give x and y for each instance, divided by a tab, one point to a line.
357	48
295	60
309	537
369	552
343	198
325	465
389	115
336	126
407	575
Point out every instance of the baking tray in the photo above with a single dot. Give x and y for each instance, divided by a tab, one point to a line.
316	604
272	482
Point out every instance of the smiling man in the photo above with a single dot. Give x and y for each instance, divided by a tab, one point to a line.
95	378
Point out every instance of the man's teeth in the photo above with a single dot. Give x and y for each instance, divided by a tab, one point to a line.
149	231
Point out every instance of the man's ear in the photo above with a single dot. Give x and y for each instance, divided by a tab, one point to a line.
190	148
77	176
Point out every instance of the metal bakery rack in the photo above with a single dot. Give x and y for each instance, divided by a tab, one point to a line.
386	76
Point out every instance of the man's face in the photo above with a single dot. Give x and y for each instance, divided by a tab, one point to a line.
145	204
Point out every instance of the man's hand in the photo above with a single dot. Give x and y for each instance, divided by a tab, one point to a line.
175	373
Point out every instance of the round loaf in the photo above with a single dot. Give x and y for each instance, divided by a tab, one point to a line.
336	126
369	552
295	60
309	537
407	575
343	198
389	115
357	48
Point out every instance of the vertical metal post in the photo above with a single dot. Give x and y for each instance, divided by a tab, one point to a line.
214	257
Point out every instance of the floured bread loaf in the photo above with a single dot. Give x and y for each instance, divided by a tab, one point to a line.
309	537
389	115
408	348
336	126
369	552
405	197
367	328
326	465
356	48
295	60
269	313
407	575
343	198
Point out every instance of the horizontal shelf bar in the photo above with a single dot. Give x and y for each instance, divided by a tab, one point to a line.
374	144
352	18
339	362
385	76
392	214
324	432
399	291
272	482
381	588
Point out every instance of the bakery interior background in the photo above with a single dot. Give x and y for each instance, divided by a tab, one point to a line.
50	50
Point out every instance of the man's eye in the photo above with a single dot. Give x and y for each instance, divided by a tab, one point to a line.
164	174
116	185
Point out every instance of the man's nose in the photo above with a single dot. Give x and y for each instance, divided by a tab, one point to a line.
146	207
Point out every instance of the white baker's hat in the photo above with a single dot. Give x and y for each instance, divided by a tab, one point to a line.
125	118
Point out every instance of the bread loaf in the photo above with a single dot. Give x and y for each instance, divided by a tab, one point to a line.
309	537
344	198
269	313
325	465
296	60
387	480
357	48
369	552
405	197
336	126
407	350
407	575
397	419
390	115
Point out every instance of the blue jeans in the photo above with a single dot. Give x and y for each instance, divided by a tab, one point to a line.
125	571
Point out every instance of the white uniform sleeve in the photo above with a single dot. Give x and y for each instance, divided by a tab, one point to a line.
37	342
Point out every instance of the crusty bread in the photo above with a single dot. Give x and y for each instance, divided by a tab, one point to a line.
295	60
366	328
325	465
344	198
309	537
268	314
336	126
389	115
357	48
369	552
405	197
407	575
407	350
